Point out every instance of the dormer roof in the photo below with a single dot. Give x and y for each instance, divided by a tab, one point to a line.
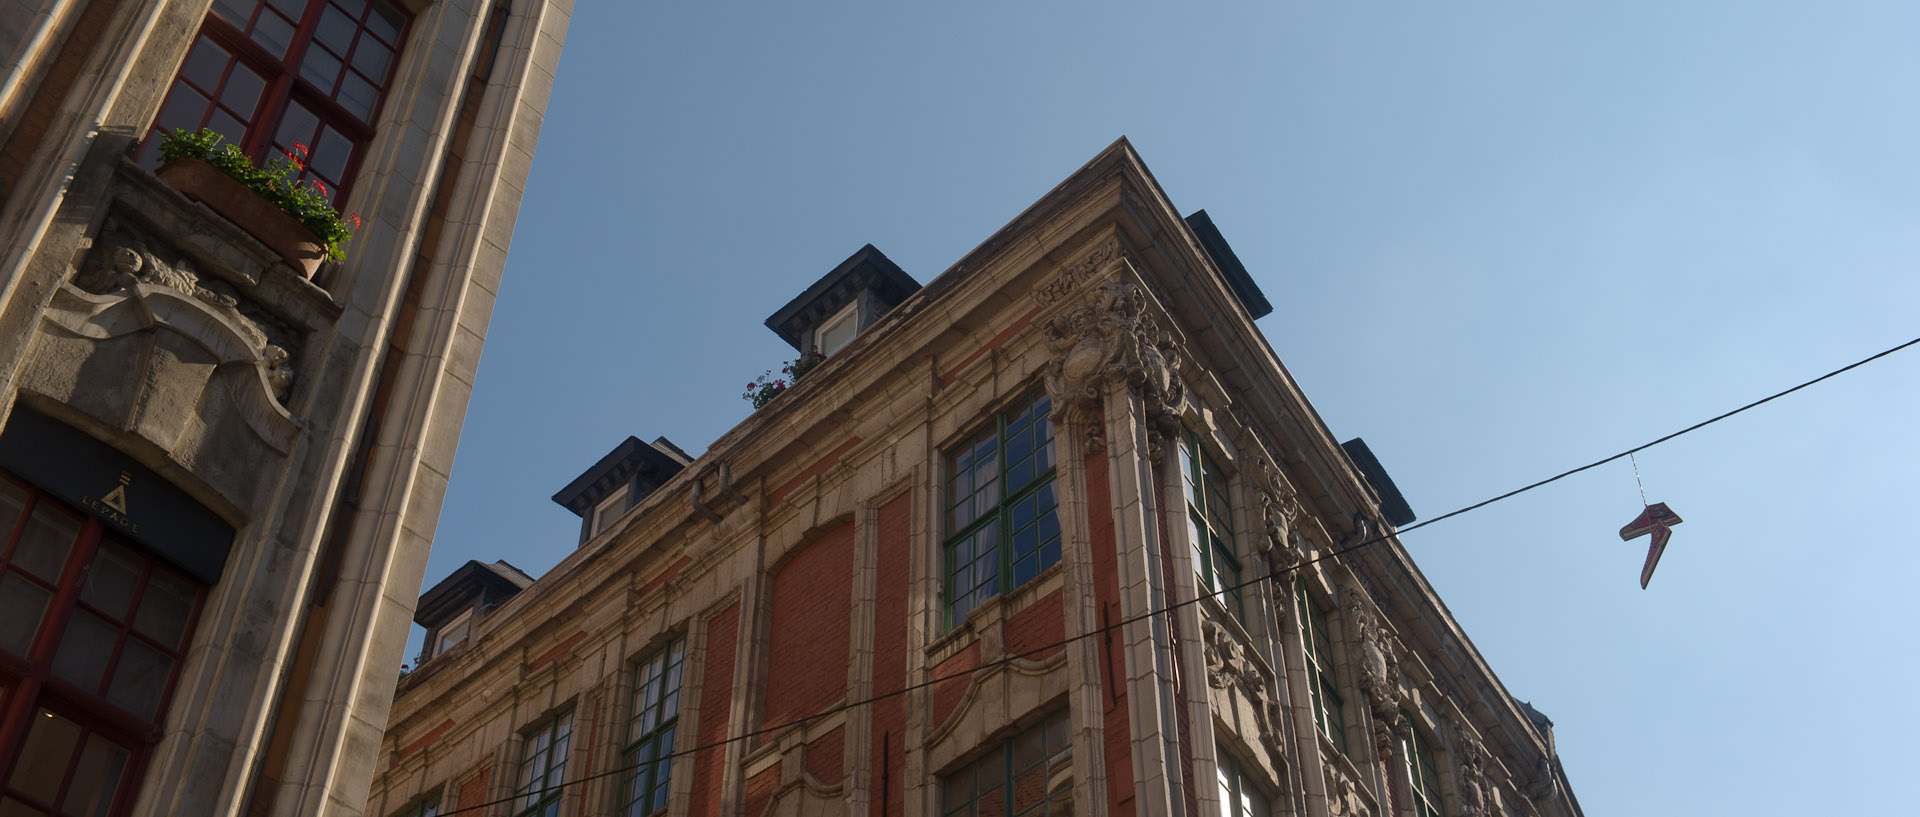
867	270
490	584
645	465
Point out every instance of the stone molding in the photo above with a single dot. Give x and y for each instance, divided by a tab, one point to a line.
1110	338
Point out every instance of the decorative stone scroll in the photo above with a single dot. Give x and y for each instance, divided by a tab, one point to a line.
1379	671
1470	770
1109	337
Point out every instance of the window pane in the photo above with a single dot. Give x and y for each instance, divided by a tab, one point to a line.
358	96
386	21
204	64
165	607
111	580
140	679
335	30
21	604
43	760
242	93
297	127
371	58
234	11
292	8
185	110
320	68
273	33
45	543
85	650
12	502
95	781
330	154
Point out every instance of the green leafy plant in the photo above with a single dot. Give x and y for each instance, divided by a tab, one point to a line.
278	181
761	390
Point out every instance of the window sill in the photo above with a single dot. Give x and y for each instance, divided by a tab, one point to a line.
994	611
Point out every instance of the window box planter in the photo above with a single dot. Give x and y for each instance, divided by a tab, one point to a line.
235	202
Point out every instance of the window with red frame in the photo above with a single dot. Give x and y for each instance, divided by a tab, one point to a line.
92	635
271	74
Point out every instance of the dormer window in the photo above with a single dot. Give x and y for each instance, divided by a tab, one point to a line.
851	298
609	510
453	633
838	331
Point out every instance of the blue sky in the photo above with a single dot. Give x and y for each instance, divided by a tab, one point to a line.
1501	240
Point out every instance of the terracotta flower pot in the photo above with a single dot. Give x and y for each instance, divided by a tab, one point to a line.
224	194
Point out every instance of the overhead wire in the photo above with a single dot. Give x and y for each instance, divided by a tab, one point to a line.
1139	617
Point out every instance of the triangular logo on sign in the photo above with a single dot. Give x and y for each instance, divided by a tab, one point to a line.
117	498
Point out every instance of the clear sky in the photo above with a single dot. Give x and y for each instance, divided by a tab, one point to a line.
1501	240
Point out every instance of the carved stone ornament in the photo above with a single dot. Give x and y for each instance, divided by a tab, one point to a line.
1228	667
1379	671
1279	510
126	256
1470	770
1109	337
1343	797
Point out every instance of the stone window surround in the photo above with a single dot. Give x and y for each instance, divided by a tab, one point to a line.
1029	390
550	724
1002	741
427	805
655	650
1307	598
1233	775
1419	750
1226	468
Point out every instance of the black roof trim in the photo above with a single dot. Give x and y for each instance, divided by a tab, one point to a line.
456	592
617	467
867	268
1392	504
1237	277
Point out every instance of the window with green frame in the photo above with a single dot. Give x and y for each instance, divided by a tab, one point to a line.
427	808
1210	525
1421	777
1239	797
1323	687
543	767
1030	775
651	729
1002	512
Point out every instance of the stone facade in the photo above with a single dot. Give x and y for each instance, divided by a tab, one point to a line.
811	577
281	444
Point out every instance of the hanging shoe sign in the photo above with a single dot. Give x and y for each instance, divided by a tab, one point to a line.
1658	520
